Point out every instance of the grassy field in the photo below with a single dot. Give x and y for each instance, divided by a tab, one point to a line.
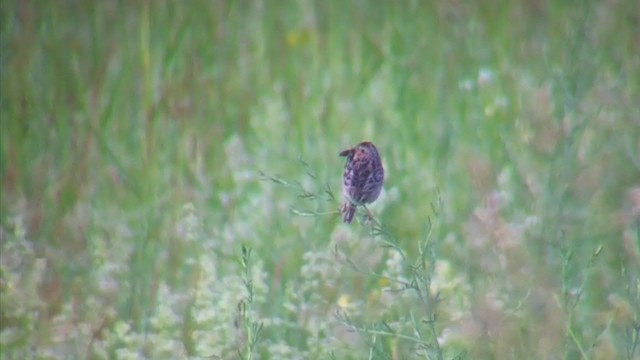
171	179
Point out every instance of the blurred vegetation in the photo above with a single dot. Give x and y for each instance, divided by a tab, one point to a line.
144	143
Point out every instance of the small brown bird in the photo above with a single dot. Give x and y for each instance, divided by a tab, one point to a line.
363	178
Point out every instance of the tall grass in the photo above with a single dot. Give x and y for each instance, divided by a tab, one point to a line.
170	179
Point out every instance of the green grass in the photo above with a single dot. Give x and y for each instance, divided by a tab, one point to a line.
170	180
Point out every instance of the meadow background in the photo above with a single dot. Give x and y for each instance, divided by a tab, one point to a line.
170	179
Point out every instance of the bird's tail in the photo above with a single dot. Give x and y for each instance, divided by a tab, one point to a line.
348	210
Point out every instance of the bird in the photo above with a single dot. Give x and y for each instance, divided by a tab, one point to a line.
363	178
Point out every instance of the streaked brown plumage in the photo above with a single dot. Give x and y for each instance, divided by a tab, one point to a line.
363	178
